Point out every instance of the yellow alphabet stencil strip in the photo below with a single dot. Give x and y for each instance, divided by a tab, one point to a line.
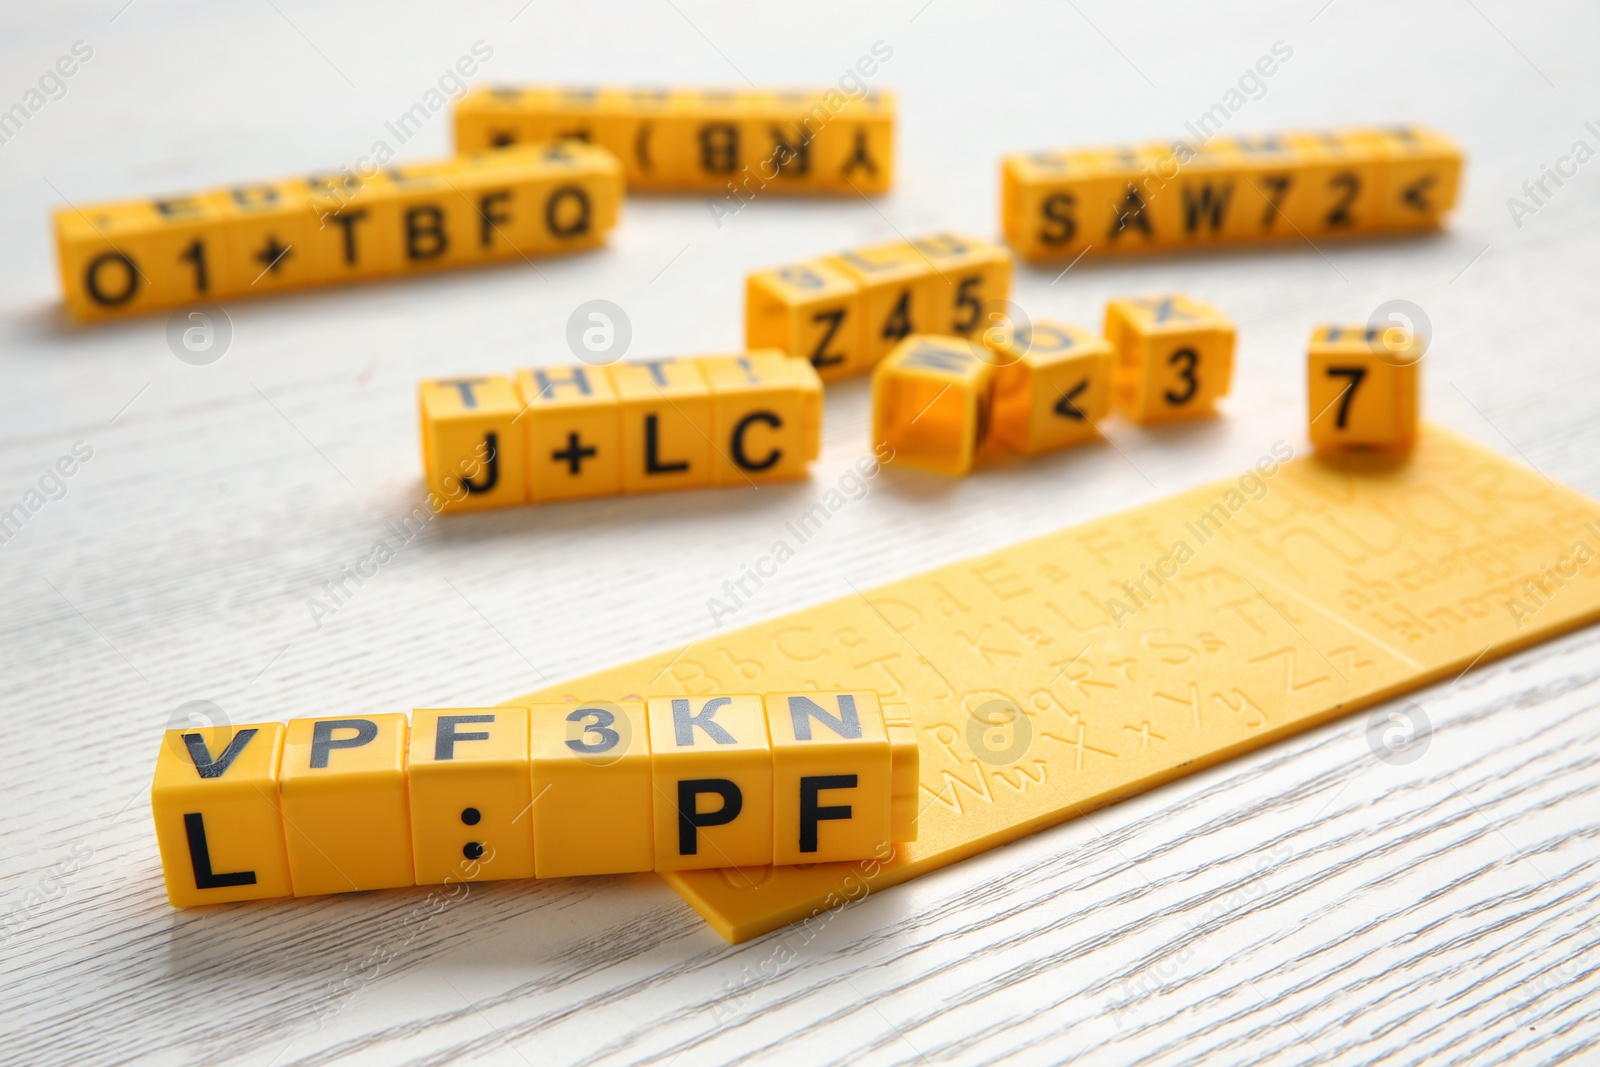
1051	677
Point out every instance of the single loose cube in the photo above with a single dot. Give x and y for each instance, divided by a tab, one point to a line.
666	424
766	417
930	402
131	257
469	795
345	817
899	295
473	450
1052	385
1361	387
974	279
712	779
831	771
572	424
810	310
593	798
215	801
1174	357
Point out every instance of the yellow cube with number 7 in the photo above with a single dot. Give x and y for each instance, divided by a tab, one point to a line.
1361	387
1174	357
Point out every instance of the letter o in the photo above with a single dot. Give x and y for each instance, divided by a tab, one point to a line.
91	280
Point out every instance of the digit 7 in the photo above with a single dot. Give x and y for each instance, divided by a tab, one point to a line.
1355	374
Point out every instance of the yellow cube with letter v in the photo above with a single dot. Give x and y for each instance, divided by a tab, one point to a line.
831	767
469	795
345	814
712	779
215	800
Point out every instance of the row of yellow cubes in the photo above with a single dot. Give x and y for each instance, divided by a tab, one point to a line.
744	142
334	805
845	312
1278	187
562	433
140	255
1029	388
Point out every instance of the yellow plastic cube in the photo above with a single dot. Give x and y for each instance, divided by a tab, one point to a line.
1268	198
345	814
469	795
853	151
473	449
1051	388
270	229
831	776
930	402
766	417
712	777
492	117
810	310
973	281
576	196
899	295
666	424
215	800
572	426
1174	357
1361	388
1344	182
126	258
630	128
1424	177
594	801
357	226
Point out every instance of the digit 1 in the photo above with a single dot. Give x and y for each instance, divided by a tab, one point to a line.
196	254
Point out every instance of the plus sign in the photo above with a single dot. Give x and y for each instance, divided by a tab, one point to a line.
574	455
1145	733
273	253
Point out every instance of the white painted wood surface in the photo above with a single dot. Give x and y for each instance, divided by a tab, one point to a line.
1306	904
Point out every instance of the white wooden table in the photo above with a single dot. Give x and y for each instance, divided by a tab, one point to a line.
1306	904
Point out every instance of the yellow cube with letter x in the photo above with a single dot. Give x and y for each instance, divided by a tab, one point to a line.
1174	357
1361	387
712	779
215	799
469	795
345	817
831	789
